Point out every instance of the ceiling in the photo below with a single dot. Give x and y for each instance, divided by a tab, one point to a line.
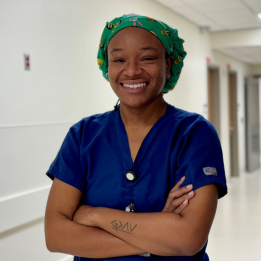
219	15
223	15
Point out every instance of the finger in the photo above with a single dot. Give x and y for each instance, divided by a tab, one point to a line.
178	193
171	197
173	202
181	191
178	183
181	207
179	201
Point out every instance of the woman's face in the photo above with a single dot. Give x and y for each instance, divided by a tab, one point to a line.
137	66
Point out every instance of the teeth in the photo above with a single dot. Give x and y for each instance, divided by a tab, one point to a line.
134	86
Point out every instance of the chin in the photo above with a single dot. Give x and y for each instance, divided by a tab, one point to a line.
135	103
131	102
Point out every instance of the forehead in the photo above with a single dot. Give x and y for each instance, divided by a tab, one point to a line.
135	37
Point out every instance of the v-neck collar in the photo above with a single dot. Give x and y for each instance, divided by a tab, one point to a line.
124	143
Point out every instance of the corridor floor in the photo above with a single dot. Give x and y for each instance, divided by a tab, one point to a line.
236	232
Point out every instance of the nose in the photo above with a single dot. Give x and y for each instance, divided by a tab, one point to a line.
132	69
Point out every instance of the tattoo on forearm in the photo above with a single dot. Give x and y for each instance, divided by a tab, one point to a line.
127	228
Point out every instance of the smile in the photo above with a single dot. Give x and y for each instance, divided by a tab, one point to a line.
134	86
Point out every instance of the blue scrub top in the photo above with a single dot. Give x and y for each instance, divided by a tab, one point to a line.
95	155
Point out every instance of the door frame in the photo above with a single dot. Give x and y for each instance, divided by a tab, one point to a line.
251	164
213	96
233	119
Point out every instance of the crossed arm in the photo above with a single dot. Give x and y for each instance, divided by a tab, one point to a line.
94	232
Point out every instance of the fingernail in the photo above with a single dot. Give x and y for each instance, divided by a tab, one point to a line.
190	193
183	178
189	186
185	201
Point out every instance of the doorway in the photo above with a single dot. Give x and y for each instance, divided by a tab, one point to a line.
233	124
252	123
214	97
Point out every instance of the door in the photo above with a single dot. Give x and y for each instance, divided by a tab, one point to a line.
252	123
213	98
233	129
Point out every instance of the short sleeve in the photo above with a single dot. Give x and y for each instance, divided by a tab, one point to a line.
200	157
67	164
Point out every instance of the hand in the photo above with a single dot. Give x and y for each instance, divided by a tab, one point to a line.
82	215
178	198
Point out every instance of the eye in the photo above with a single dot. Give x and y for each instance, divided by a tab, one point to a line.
118	61
148	59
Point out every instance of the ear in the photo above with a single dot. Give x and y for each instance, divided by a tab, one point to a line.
169	61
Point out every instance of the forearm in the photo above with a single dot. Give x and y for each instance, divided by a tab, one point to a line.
66	236
157	233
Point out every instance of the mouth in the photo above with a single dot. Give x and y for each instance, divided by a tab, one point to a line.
135	86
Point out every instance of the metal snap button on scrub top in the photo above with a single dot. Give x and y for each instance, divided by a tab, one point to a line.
130	175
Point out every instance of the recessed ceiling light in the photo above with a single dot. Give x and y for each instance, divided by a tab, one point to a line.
259	16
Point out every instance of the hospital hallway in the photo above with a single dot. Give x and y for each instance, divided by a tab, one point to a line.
236	232
55	74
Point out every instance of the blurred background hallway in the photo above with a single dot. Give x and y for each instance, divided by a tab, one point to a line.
50	80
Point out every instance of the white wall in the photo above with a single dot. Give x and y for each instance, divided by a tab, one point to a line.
64	85
27	243
236	38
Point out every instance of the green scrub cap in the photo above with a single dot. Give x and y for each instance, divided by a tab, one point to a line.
166	34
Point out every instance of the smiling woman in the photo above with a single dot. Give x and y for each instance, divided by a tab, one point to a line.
163	38
141	180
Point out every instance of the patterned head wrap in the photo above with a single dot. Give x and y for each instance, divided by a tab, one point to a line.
166	34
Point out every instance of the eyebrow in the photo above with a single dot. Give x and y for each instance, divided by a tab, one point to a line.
117	50
142	48
148	48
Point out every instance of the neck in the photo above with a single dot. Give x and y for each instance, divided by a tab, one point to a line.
143	116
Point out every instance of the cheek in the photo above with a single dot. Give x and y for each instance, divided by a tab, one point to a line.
110	73
113	76
159	74
158	71
113	72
